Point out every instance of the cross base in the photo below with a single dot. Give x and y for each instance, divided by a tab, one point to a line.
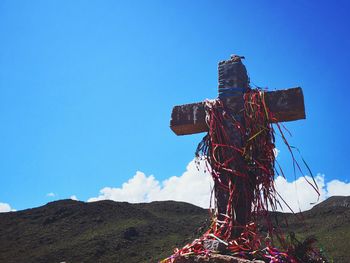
215	258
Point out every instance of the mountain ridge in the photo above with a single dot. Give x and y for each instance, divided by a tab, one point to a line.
108	231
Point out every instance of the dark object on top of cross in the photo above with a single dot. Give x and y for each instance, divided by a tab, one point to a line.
232	76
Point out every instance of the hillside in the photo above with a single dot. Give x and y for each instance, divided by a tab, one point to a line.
107	231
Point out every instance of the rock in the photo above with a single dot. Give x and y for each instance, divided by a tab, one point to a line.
214	259
214	245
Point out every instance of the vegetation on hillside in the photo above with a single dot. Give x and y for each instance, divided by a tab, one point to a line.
107	231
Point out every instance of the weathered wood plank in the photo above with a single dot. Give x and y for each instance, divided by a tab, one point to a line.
287	105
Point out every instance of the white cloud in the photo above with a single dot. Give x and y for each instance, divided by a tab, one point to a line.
74	197
299	194
194	186
4	207
51	194
337	187
136	190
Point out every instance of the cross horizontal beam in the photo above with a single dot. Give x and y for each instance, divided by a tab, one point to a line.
287	105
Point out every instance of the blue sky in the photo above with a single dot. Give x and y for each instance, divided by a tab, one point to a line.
87	87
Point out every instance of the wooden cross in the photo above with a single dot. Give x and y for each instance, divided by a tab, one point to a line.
286	105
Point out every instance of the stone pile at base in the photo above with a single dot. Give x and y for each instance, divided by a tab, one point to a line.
213	259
